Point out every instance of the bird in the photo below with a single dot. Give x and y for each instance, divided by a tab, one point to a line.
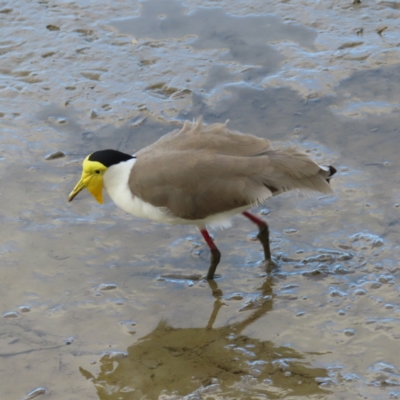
203	175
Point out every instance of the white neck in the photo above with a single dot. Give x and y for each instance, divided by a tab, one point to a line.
115	181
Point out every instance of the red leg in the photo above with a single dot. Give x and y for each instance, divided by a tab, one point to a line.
215	253
256	220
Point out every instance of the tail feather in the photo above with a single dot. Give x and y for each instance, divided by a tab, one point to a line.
290	168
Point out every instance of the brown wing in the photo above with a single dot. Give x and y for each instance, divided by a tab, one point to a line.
194	185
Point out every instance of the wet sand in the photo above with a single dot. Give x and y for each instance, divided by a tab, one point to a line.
97	304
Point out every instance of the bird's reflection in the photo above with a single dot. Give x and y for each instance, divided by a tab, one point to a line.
196	360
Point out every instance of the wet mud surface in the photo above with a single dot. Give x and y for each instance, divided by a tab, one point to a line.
96	304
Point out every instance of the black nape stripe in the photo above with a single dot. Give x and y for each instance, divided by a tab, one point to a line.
109	157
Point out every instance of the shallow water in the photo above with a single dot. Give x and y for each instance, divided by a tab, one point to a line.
97	304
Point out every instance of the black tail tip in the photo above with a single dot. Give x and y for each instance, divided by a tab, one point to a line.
332	171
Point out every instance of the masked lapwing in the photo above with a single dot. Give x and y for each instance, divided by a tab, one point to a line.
203	176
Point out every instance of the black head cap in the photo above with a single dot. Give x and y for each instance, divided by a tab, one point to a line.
109	157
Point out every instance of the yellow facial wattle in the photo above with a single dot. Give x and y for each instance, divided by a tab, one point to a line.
91	179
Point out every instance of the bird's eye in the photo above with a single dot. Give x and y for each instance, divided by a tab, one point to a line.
97	171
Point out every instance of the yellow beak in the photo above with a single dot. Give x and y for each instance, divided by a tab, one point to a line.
93	183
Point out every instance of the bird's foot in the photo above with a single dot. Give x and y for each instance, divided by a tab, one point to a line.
270	265
207	278
216	291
